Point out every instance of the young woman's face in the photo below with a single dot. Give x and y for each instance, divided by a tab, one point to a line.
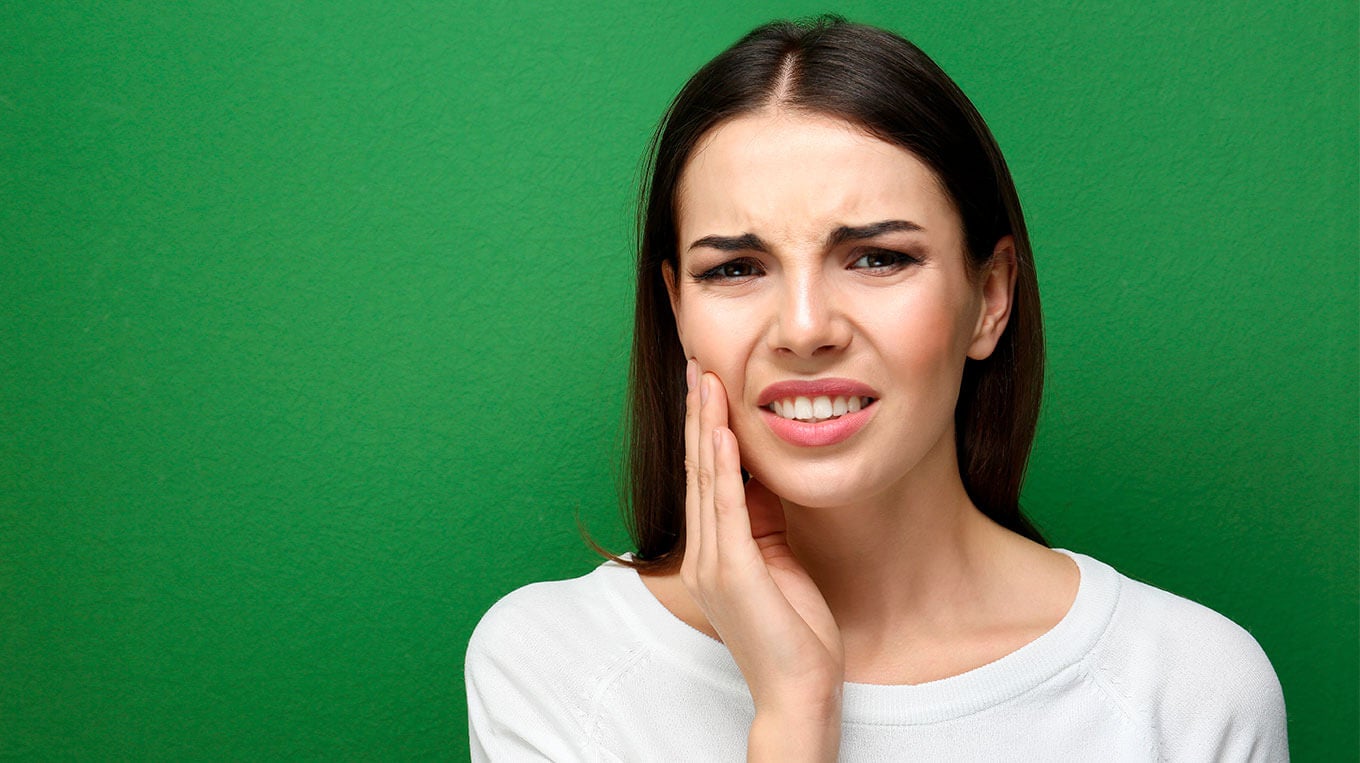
822	278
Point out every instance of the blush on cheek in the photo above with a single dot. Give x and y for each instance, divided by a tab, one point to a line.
941	333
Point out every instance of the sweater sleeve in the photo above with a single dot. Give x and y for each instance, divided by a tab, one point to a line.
1261	714
1209	691
1252	715
515	710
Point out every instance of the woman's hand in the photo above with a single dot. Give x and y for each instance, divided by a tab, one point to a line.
740	570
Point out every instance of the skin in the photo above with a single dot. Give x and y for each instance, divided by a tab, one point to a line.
863	560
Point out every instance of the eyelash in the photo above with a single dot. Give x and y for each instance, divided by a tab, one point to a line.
895	261
721	272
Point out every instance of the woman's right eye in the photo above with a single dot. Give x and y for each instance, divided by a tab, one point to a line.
733	270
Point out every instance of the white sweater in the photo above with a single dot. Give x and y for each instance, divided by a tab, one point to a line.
596	668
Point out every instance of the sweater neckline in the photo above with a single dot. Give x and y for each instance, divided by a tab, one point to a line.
1062	646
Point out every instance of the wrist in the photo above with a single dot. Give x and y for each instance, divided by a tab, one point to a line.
811	732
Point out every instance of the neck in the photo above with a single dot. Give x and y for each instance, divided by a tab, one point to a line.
905	556
921	584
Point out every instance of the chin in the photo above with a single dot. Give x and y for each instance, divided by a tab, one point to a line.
816	488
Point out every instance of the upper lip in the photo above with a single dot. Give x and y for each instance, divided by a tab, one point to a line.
784	390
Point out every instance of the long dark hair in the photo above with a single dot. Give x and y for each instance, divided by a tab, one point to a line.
890	88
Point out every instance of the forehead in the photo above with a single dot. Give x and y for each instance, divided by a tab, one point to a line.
793	176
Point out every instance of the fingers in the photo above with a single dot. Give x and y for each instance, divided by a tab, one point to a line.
764	511
732	525
712	413
722	495
692	519
705	410
717	527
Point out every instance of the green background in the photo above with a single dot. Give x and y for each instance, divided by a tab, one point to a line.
315	320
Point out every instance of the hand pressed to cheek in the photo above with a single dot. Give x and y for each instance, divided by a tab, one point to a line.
728	492
764	511
693	529
708	403
723	476
717	525
706	474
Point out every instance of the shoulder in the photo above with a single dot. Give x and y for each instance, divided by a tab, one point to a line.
1185	644
1199	680
548	627
532	661
552	605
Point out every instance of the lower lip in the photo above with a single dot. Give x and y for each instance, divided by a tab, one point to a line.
812	435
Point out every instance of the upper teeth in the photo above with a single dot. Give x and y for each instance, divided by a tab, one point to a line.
818	408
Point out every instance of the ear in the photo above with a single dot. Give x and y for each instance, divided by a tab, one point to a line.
673	291
998	293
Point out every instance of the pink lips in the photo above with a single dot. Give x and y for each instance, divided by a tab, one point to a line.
808	434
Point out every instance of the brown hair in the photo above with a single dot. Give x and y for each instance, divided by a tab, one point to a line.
890	88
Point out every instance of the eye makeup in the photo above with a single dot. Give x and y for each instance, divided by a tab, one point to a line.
882	260
743	267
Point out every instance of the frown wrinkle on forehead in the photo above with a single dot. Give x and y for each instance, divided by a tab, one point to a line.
842	234
796	180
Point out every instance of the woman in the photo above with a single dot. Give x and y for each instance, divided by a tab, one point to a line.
836	294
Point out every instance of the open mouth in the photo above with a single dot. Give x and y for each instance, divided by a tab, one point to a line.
812	410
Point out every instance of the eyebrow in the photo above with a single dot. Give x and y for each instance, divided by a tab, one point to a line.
743	243
853	233
750	242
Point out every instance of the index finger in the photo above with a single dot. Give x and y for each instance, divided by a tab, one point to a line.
692	528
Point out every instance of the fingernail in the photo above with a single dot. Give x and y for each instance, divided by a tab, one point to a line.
703	389
691	374
717	439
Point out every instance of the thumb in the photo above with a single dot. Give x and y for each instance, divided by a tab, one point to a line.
765	509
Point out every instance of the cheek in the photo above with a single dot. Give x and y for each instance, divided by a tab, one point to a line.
707	322
726	352
696	334
927	340
707	335
926	325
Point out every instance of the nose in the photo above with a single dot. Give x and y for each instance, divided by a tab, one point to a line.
810	320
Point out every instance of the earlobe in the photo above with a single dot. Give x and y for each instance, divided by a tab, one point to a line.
998	293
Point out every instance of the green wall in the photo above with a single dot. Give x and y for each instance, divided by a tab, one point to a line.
313	326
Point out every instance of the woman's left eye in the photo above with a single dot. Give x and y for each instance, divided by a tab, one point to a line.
883	259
